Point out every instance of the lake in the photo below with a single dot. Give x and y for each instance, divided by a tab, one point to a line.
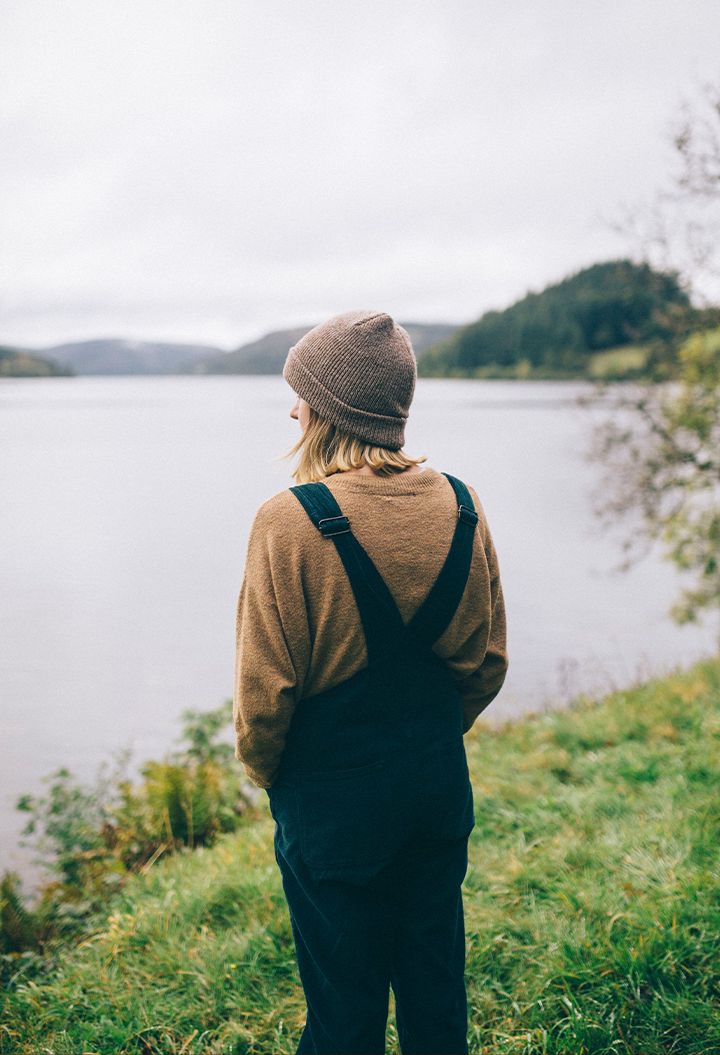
127	504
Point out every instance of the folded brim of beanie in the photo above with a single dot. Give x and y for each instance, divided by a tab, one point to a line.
383	430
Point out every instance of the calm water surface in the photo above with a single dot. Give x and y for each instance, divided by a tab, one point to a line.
126	509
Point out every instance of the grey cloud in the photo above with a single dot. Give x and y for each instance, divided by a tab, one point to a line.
207	172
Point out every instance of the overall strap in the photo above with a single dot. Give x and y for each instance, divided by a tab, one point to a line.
435	613
381	618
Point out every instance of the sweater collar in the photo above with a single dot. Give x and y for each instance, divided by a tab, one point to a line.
400	484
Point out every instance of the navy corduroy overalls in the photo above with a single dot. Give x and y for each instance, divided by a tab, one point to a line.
373	807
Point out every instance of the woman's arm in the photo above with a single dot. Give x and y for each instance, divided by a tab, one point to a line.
272	649
479	658
482	686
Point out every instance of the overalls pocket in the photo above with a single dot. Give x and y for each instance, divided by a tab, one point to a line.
455	818
345	819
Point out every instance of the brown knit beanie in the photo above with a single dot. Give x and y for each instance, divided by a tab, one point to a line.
357	370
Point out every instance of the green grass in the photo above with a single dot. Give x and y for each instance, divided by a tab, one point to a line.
592	906
615	362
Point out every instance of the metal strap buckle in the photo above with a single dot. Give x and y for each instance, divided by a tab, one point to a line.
328	532
468	516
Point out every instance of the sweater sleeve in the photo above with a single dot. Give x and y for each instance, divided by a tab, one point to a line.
272	650
481	687
479	661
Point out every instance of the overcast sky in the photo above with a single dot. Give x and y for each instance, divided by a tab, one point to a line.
209	171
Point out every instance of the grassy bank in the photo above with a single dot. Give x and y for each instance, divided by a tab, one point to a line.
625	363
592	905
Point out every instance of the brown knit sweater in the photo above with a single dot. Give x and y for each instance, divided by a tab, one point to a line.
298	628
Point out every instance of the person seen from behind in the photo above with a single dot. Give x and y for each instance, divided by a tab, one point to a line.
371	633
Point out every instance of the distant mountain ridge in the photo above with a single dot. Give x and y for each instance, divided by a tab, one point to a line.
616	319
114	356
267	355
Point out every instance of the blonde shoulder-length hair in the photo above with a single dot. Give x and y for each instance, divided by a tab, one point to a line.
326	449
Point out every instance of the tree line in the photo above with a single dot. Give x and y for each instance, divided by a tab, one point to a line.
615	304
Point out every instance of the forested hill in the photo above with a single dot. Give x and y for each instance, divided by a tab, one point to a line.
606	313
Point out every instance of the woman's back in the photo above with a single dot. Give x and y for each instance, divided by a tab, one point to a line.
299	632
